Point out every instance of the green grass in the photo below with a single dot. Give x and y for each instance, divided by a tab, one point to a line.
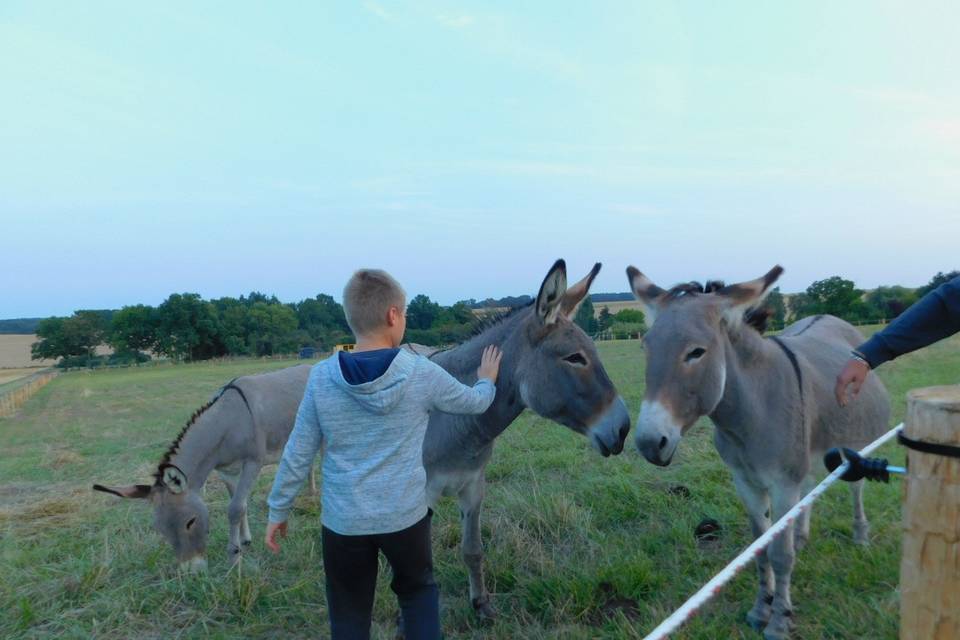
577	546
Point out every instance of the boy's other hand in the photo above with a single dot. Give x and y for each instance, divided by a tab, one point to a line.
490	363
850	380
274	529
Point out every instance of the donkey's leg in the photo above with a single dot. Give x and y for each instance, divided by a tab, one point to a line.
861	528
757	502
233	538
801	530
471	501
237	511
782	555
313	480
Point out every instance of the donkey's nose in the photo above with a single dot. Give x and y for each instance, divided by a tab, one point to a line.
609	432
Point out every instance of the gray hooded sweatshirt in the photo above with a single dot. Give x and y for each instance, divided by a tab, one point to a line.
372	438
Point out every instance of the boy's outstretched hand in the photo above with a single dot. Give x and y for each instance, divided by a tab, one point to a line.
490	363
273	529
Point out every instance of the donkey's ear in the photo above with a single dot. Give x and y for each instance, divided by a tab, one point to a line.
133	491
745	295
574	296
644	290
173	478
551	293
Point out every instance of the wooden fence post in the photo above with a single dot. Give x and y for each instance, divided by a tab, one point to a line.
930	568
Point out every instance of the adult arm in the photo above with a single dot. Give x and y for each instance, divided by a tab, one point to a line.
935	317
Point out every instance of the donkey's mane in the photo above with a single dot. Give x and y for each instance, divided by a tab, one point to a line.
756	318
487	321
483	323
175	445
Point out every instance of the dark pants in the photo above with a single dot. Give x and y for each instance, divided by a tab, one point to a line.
350	564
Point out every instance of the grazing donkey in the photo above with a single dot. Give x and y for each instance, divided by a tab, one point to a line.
244	427
771	400
549	365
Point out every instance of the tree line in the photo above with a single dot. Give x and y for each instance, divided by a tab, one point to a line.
187	327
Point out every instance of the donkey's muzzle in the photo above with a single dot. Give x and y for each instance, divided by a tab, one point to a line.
196	564
610	431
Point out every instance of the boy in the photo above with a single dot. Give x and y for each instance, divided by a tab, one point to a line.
368	409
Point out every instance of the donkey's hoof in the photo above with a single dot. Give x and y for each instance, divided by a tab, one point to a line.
758	617
246	543
483	608
779	627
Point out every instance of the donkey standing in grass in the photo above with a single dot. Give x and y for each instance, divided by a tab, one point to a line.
549	365
244	427
771	401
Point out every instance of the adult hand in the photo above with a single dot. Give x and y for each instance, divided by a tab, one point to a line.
851	378
490	363
273	530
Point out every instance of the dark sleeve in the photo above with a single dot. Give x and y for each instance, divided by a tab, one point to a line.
935	317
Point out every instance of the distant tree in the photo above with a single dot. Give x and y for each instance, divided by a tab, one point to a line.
273	329
421	312
585	317
256	296
836	296
801	305
458	314
234	324
889	302
778	308
134	328
188	328
936	281
20	326
605	319
628	316
78	335
323	320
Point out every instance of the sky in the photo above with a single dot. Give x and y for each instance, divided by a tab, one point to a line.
225	147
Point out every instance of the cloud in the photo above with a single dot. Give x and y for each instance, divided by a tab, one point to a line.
455	22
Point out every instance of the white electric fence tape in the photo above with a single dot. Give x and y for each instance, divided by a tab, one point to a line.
712	588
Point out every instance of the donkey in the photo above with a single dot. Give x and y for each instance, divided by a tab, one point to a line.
243	428
771	401
549	365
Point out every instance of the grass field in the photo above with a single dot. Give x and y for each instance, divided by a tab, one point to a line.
577	546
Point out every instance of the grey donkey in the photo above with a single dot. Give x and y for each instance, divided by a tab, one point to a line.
243	428
549	365
771	401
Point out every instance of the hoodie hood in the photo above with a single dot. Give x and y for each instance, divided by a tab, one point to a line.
382	394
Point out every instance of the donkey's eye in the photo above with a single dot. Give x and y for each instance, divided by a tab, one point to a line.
695	354
576	359
192	521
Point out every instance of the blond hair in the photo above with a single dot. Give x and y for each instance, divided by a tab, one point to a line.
367	298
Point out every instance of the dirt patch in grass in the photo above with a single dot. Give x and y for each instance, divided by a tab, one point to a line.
33	508
58	457
613	603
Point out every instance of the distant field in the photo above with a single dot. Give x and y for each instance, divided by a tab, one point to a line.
15	352
615	306
577	546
